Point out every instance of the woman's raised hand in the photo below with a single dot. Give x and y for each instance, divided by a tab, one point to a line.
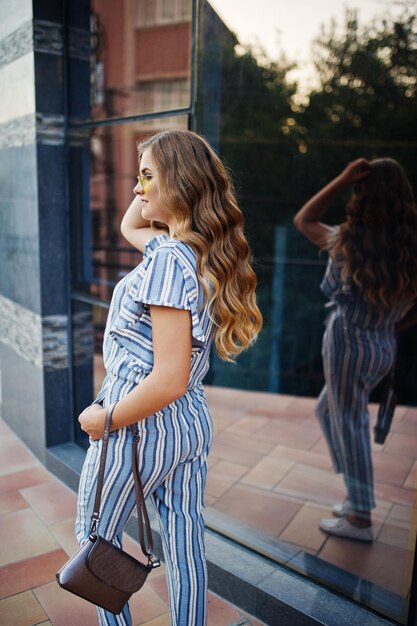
355	171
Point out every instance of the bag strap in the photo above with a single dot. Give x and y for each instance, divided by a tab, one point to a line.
144	526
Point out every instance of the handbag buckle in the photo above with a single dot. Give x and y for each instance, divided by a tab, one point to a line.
153	563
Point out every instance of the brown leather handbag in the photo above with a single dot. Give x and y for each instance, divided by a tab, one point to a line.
100	572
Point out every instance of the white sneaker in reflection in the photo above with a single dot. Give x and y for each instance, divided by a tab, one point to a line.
343	508
342	528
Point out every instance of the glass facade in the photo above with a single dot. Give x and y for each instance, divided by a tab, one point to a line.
156	64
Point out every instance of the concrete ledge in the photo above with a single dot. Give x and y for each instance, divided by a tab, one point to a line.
257	584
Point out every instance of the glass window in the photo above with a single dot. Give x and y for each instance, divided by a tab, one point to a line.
287	112
145	42
287	104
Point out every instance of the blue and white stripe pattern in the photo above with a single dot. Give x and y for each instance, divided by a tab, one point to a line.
174	443
358	350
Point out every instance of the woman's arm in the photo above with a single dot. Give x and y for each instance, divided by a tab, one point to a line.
135	228
168	381
308	219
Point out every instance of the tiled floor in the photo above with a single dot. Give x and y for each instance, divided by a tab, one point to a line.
271	470
37	536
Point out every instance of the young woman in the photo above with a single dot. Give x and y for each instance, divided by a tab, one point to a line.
371	282
194	286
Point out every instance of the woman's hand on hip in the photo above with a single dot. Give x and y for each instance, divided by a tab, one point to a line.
92	421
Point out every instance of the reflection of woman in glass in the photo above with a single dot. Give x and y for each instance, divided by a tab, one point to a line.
194	285
371	281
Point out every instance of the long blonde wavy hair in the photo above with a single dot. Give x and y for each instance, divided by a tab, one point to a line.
379	238
194	185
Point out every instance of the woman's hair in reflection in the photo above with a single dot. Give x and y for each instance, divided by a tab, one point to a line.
379	238
194	184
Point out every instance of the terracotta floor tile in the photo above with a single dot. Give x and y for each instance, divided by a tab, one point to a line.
250	443
398	528
375	562
236	455
402	445
311	483
18	577
11	501
53	502
21	610
64	533
251	620
159	585
303	529
23	536
220	423
223	476
294	435
146	604
394	494
391	470
268	472
410	415
220	613
14	456
264	510
209	500
322	461
162	620
247	425
64	608
273	404
411	480
320	447
404	427
26	478
394	534
212	461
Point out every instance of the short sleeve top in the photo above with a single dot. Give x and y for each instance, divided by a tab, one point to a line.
166	277
349	299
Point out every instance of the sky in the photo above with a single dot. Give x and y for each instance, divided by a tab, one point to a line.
291	25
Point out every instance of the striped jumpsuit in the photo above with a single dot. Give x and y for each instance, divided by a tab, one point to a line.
358	349
174	442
